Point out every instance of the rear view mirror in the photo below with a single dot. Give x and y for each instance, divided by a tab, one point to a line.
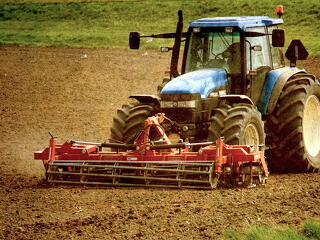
134	40
278	38
165	49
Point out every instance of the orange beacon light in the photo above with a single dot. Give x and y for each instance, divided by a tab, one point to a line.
279	10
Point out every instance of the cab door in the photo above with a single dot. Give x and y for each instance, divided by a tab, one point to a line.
258	62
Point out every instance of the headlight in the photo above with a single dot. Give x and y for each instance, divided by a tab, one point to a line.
178	104
166	104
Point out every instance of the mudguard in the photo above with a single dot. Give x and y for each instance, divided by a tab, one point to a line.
201	81
234	98
274	83
145	98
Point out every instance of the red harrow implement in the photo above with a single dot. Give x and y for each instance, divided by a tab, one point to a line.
153	163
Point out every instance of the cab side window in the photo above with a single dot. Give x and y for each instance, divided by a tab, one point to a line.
258	57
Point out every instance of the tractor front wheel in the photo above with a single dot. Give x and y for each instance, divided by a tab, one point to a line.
128	122
119	123
217	122
239	124
244	126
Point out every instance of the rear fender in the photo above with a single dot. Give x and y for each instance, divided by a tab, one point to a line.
274	83
144	98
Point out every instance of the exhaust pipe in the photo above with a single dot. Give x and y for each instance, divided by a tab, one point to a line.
176	47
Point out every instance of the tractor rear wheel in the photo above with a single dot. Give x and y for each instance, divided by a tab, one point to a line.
129	121
239	124
295	122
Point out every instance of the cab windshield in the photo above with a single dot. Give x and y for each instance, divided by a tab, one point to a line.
214	50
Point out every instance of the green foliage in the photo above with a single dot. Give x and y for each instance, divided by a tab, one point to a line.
311	231
233	235
107	24
261	233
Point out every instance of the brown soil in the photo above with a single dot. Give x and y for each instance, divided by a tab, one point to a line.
57	90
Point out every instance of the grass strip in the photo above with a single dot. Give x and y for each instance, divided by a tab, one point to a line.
107	24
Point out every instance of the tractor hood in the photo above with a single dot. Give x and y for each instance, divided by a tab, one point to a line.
201	81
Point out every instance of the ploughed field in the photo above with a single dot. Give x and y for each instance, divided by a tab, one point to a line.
74	93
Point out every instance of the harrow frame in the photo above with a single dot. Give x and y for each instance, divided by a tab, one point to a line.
152	164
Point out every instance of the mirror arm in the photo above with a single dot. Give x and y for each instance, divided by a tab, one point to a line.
164	35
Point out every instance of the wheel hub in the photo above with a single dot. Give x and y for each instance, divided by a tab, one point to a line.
174	137
311	127
251	136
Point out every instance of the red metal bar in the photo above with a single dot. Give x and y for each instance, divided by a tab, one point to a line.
219	156
154	122
52	149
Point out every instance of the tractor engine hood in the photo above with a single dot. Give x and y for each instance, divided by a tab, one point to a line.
201	81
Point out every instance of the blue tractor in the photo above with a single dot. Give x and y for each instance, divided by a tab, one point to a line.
233	83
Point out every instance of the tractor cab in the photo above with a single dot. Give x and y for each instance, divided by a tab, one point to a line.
245	47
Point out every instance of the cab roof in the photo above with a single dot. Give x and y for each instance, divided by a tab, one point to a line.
241	22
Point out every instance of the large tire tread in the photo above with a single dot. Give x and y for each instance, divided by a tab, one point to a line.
289	154
217	122
129	121
230	121
119	123
236	121
135	120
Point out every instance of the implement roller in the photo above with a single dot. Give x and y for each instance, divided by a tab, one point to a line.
153	163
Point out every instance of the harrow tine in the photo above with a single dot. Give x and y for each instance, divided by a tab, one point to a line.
131	185
114	171
150	174
116	166
125	176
